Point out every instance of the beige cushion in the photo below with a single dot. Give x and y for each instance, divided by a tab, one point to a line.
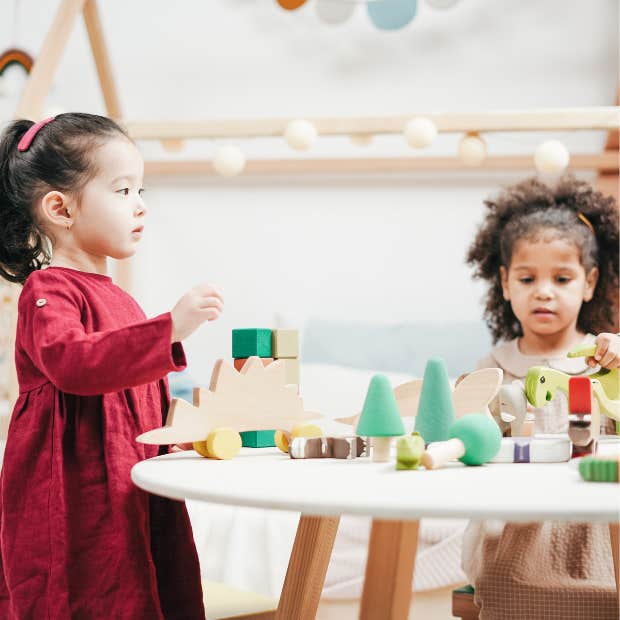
222	601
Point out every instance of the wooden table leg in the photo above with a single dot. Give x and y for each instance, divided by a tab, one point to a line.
614	537
389	570
307	567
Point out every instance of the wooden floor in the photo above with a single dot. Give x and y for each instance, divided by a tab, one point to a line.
431	605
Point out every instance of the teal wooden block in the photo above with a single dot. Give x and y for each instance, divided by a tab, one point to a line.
258	439
251	342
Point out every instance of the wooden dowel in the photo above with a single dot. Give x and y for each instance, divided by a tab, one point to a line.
45	65
561	119
602	161
102	59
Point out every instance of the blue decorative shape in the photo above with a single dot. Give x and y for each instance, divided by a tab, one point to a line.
392	14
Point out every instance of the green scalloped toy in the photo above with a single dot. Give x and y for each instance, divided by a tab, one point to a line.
596	469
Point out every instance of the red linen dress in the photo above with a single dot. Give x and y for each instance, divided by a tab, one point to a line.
78	539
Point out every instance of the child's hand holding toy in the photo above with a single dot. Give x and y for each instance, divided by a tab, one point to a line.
607	351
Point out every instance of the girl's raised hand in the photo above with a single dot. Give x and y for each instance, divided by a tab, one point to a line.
202	303
607	351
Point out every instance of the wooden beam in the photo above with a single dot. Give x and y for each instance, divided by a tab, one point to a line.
40	79
561	119
102	59
307	568
389	570
374	165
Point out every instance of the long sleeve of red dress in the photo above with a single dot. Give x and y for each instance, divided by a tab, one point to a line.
77	539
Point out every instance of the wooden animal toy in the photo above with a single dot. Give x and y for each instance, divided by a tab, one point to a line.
380	417
509	410
256	397
474	439
541	385
533	450
329	447
409	451
473	394
597	469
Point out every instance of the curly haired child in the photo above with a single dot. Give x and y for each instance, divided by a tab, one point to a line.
549	255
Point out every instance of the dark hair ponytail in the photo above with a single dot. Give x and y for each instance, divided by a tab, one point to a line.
59	158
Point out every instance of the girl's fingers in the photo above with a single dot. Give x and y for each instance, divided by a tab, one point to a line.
211	313
607	359
208	290
591	362
212	302
601	349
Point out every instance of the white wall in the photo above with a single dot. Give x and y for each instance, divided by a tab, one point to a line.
375	248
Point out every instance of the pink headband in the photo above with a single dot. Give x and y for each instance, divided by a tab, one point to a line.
29	136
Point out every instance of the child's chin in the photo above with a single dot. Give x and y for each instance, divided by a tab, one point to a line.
122	254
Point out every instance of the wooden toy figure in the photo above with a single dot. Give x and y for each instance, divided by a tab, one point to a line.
582	432
328	447
256	397
474	439
542	449
541	384
380	417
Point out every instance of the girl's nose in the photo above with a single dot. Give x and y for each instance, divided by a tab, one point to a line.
544	291
140	207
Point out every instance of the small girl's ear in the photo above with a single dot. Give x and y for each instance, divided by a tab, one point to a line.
591	280
503	274
55	209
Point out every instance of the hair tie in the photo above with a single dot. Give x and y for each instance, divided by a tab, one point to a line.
586	221
29	136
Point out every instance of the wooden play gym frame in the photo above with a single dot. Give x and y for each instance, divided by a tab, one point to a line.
391	542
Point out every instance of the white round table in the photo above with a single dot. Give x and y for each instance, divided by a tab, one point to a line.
324	489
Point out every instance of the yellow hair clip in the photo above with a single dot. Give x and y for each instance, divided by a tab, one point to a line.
586	221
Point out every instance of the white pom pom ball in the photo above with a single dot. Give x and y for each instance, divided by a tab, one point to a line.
300	135
551	157
229	161
472	150
420	132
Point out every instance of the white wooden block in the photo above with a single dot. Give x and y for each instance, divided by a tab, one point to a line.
285	343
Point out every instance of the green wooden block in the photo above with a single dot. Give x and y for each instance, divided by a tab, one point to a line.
258	439
251	342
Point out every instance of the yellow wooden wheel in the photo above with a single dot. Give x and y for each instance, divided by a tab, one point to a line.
221	443
283	438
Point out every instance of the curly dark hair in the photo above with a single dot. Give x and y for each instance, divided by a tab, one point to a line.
60	158
526	209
